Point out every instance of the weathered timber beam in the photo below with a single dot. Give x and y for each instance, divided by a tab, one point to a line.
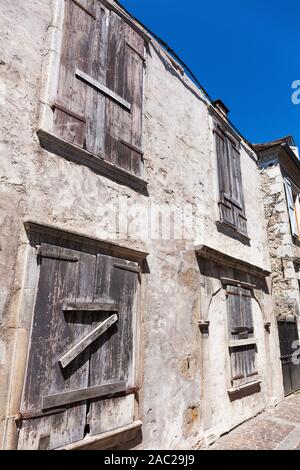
106	91
90	307
65	360
75	396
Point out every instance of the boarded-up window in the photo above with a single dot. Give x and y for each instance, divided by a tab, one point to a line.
242	345
292	199
231	204
81	350
100	91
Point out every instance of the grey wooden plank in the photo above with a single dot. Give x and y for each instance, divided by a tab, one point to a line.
104	89
235	282
57	253
87	341
64	109
126	267
132	147
74	396
236	343
91	307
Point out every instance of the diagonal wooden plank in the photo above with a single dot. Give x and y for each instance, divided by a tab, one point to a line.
94	83
87	340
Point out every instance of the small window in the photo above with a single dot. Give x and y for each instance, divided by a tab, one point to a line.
242	344
231	203
293	204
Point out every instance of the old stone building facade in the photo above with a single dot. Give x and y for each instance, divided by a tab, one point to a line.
280	170
135	305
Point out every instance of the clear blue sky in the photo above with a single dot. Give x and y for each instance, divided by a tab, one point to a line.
245	52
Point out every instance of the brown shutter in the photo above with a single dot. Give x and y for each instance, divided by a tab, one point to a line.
246	300
100	93
240	321
70	106
123	135
234	311
230	183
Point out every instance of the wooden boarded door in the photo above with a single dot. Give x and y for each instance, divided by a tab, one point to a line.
81	349
289	345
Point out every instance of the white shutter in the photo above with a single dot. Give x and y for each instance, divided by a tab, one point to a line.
291	207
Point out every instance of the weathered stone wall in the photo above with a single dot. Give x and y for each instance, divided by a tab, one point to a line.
180	164
285	285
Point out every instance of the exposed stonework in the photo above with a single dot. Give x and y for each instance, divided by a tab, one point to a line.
283	250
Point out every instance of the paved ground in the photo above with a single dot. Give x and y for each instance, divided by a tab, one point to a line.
278	429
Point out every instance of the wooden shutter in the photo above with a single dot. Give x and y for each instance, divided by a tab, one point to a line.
100	93
291	207
70	116
230	183
81	350
240	324
123	133
61	278
113	359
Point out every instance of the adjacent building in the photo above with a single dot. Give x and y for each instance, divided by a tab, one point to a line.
280	170
136	294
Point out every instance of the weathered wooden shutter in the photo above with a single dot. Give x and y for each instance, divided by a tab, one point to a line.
70	108
112	360
242	352
82	349
100	93
64	275
123	133
230	183
291	207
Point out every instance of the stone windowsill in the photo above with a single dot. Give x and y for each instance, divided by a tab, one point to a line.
237	343
76	154
107	439
243	388
242	236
